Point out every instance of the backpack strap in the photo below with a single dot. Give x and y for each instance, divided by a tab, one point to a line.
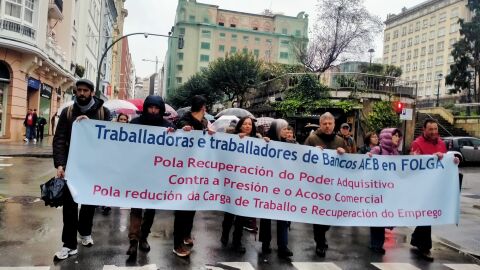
70	113
101	114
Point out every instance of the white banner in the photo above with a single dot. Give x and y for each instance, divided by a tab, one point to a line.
139	166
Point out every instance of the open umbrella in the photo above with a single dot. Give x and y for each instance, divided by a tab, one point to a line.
265	122
138	102
119	105
222	123
238	112
171	113
183	111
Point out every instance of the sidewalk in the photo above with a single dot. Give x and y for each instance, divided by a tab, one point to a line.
41	149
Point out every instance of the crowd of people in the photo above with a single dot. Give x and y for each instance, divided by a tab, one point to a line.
87	106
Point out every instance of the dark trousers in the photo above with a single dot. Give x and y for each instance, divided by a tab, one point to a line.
319	232
72	222
140	227
377	237
238	222
422	238
182	226
40	132
266	232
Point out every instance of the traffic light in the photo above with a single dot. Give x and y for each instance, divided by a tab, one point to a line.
398	107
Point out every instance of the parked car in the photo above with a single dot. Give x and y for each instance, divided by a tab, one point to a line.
467	149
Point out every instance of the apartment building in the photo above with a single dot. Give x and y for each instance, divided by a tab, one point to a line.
420	39
211	33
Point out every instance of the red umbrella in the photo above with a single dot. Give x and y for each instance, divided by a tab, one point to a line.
138	102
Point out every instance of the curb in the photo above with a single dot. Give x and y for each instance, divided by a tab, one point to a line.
39	155
449	244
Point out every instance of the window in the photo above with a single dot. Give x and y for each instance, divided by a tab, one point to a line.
441	32
423	51
407	67
257	40
453	27
430	49
410	28
204	58
222	35
245	50
415	53
283	55
452	41
28	13
233	49
417	26
233	25
255	28
206	20
421	78
181	31
284	31
409	55
245	39
402	56
394	59
284	43
439	61
442	17
298	33
387	37
450	59
432	34
414	66
221	23
205	45
180	55
432	21
221	48
440	46
386	49
429	77
429	63
425	23
206	33
13	8
404	31
179	79
409	42
416	40
403	44
234	37
191	18
422	64
424	37
395	34
179	67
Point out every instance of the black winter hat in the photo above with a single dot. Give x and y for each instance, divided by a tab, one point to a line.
87	83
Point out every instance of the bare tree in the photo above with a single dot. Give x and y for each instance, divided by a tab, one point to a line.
342	28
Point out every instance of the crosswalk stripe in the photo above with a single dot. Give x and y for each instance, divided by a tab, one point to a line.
6	165
395	266
26	268
145	267
315	266
463	266
2	157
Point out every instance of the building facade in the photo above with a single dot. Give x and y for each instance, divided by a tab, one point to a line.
107	23
125	83
36	66
117	48
420	39
210	33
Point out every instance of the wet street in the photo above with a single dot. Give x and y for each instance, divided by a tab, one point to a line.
30	233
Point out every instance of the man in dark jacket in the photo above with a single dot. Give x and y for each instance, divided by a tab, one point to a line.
41	122
152	115
86	106
183	224
324	138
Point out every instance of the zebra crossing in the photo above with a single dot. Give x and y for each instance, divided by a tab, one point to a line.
249	266
3	164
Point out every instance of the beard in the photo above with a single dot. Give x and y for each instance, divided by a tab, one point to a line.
84	101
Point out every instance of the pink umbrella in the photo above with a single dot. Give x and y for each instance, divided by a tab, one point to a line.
138	102
172	114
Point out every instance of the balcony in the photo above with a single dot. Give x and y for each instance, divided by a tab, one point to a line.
55	9
56	53
23	31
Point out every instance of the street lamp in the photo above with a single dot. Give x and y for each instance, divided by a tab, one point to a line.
180	45
371	51
439	78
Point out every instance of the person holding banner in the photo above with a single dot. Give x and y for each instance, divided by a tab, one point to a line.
277	132
244	128
429	143
85	106
152	115
324	138
390	139
183	222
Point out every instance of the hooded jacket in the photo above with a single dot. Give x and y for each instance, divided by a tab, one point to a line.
61	139
386	145
149	119
188	120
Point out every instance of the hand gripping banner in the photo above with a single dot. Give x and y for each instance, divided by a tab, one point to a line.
128	165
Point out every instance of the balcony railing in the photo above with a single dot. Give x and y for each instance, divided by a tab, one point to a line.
23	30
55	9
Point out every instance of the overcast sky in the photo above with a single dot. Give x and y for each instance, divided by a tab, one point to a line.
157	16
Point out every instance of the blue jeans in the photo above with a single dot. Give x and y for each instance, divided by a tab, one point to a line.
30	132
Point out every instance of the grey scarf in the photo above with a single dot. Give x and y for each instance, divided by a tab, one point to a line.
87	107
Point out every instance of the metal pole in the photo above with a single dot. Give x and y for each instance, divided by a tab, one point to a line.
97	85
438	93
